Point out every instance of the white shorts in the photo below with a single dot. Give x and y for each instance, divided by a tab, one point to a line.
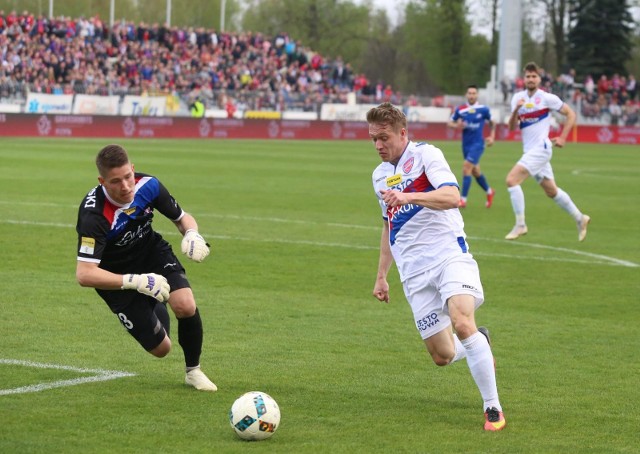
538	162
429	291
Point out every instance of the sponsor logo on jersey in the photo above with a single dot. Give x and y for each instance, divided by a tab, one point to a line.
529	105
87	245
394	180
129	211
407	166
131	237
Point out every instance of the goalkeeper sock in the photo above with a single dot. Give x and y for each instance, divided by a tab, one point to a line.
160	309
190	338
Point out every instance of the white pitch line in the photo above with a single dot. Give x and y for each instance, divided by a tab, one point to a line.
601	259
100	375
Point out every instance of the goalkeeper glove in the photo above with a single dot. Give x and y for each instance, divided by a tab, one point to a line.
153	285
194	246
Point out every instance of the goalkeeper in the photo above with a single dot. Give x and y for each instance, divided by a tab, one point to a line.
132	267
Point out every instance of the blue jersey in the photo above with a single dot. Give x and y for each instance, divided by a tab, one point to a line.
474	118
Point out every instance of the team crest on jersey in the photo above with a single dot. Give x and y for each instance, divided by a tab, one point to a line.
537	100
407	166
394	180
87	245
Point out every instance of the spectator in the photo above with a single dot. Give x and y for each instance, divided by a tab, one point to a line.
74	55
603	86
630	113
615	111
632	88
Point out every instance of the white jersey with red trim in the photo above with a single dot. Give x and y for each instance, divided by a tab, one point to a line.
420	238
534	116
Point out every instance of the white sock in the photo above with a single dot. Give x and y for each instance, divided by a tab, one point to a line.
564	201
517	202
461	352
480	361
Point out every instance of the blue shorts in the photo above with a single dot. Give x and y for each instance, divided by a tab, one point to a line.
473	155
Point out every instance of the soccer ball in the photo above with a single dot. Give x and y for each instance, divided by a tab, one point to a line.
254	416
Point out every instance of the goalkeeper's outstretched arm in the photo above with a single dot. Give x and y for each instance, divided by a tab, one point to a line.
90	275
150	284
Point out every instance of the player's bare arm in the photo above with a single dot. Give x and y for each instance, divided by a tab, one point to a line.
443	198
492	135
568	125
381	287
186	222
88	274
513	119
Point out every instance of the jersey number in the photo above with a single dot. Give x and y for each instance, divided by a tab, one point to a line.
125	321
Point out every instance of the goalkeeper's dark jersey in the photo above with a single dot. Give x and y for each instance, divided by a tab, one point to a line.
120	238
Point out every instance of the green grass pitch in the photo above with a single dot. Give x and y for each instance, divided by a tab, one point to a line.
286	303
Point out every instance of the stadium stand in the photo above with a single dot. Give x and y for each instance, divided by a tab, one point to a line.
83	56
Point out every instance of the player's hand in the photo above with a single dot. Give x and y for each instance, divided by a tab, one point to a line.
489	140
393	198
381	290
153	285
558	142
194	246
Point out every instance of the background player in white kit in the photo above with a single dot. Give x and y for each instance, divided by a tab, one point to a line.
530	110
423	232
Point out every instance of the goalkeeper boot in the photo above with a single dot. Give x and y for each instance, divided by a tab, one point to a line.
494	419
197	379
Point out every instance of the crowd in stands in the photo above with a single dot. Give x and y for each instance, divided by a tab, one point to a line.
231	71
248	70
615	100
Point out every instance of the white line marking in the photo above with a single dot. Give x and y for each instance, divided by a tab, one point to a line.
601	259
99	375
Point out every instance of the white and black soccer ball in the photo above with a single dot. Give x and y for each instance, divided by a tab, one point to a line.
254	416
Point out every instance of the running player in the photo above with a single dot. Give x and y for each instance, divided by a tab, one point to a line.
132	267
471	118
423	232
530	111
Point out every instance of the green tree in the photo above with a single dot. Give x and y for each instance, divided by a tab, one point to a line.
194	13
437	41
557	14
331	27
600	41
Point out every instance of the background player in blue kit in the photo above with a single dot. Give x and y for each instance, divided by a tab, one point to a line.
132	267
471	118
